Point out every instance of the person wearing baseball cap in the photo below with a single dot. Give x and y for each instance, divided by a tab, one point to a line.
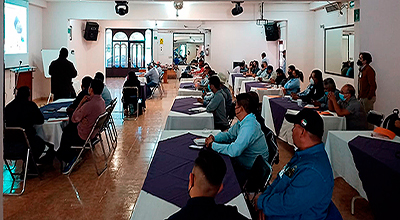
303	188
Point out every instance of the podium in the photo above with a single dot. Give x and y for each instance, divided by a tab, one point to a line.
23	76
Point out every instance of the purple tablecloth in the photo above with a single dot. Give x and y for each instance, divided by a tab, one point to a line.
279	106
168	175
234	75
50	110
379	171
184	104
187	85
255	84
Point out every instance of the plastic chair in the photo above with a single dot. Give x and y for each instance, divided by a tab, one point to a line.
16	147
91	143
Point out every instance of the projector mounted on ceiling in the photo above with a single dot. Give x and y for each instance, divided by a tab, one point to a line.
335	6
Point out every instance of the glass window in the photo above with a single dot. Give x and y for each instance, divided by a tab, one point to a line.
148	46
124	55
108	48
139	55
120	36
133	55
136	36
116	54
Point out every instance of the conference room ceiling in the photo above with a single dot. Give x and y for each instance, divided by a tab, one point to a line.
271	1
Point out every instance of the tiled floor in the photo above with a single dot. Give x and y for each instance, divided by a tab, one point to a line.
84	195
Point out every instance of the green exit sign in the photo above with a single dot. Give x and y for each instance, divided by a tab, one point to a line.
357	15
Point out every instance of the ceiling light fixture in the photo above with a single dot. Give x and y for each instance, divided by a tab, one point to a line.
121	7
237	10
178	5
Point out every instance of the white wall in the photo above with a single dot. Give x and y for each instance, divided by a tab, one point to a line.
240	36
378	33
1	102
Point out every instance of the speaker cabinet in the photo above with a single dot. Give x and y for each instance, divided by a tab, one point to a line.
272	32
91	31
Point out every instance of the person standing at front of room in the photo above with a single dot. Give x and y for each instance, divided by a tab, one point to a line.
366	82
62	72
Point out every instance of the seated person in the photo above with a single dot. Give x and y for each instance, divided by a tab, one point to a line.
217	105
329	86
314	91
350	107
152	78
159	69
268	76
255	67
241	68
205	182
293	84
303	188
225	89
188	69
350	71
263	71
84	92
254	104
131	81
280	78
200	69
23	113
244	141
202	82
291	70
83	119
105	94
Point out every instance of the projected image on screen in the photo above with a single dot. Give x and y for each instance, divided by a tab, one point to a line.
15	39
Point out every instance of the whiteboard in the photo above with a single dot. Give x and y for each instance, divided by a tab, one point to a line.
49	55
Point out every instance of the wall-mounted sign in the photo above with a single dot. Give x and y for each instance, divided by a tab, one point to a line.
357	15
161	40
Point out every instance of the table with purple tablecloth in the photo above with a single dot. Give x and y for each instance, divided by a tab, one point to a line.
180	118
249	85
165	189
187	85
232	76
274	110
378	164
188	89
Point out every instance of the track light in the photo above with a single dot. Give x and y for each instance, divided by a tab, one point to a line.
237	10
121	7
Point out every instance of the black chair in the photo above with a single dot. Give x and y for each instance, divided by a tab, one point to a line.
231	114
16	147
273	149
390	121
375	118
90	143
257	181
159	86
131	96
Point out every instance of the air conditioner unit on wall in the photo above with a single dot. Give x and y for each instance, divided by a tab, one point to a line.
333	7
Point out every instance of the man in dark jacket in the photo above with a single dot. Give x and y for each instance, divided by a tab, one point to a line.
62	71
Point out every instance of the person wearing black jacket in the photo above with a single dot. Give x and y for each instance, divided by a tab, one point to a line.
62	71
84	92
314	91
131	81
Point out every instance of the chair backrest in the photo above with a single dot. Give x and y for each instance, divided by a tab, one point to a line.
390	120
16	143
273	150
134	88
231	114
375	118
98	125
333	212
259	176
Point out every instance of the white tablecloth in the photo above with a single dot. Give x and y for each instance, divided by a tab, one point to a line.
285	134
189	92
341	157
238	83
142	79
263	92
189	79
152	207
182	121
243	84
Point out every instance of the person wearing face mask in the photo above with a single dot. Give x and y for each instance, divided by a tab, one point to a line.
291	69
366	82
262	71
293	84
350	107
217	104
329	86
205	182
269	75
314	91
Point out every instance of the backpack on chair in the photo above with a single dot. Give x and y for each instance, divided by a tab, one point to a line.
390	120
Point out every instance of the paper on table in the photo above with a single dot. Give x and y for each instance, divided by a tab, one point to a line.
198	104
200	141
198	109
62	110
57	119
311	106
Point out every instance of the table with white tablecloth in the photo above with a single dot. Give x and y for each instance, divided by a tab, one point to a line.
238	83
188	89
332	122
267	92
51	130
150	205
182	121
341	157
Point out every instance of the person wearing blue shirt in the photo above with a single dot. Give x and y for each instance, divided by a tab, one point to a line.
106	94
244	141
293	84
329	86
303	188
